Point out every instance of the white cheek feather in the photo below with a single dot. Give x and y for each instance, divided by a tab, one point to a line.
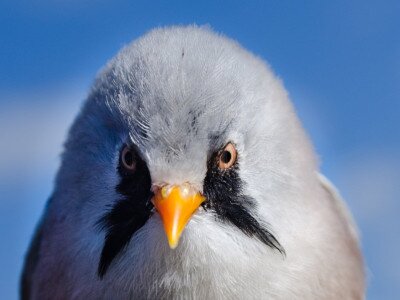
178	94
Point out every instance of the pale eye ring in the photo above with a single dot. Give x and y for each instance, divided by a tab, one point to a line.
227	157
128	159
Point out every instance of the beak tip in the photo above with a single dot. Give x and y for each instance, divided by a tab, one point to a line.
173	244
175	209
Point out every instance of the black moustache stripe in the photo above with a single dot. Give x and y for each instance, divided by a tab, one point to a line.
223	190
128	214
224	193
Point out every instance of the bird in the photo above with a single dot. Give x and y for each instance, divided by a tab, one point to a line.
187	174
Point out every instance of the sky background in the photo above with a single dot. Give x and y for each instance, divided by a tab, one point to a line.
339	60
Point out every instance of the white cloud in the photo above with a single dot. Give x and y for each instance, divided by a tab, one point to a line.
370	181
33	126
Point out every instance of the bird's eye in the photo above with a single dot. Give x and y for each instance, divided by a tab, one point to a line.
128	159
227	157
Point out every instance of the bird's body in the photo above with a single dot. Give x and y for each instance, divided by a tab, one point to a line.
268	226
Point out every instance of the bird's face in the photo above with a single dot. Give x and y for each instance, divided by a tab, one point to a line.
198	173
192	140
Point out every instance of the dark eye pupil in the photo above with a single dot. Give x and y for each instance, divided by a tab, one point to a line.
128	158
226	157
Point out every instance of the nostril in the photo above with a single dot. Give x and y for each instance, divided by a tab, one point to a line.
166	190
185	190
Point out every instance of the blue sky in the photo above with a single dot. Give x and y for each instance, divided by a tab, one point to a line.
340	61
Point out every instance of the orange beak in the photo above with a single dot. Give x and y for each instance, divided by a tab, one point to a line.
176	204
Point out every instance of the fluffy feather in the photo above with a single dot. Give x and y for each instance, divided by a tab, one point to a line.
175	93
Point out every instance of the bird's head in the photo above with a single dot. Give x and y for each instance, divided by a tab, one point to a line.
186	139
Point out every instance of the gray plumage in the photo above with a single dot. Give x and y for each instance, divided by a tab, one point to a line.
174	93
